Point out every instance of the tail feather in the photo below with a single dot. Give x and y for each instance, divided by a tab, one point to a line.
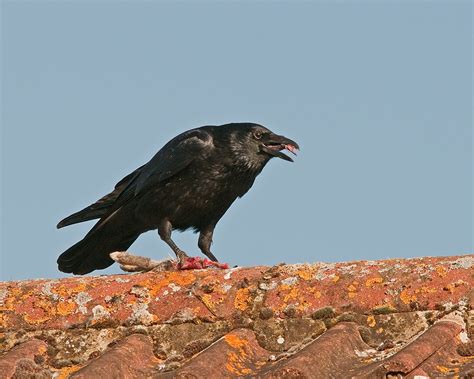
122	192
116	232
89	254
85	257
86	214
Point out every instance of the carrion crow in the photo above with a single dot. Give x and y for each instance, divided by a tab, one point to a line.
189	183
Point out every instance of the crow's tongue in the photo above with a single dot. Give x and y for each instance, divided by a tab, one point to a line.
291	149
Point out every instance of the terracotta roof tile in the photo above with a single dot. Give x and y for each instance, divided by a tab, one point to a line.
236	354
132	357
363	319
330	355
21	358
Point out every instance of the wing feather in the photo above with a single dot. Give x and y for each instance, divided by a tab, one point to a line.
174	157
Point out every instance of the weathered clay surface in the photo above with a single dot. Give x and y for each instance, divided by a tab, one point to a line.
362	319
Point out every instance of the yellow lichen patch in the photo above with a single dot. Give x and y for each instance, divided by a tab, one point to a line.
235	341
379	330
441	271
66	291
179	278
207	300
467	359
352	295
406	297
11	299
306	273
447	370
242	299
424	290
66	372
371	321
235	366
373	281
352	288
315	292
42	349
65	308
3	320
304	305
335	278
42	311
238	360
293	294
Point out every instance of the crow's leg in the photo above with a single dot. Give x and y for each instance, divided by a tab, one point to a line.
185	262
205	241
164	230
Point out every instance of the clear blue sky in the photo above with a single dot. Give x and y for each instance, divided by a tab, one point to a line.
378	94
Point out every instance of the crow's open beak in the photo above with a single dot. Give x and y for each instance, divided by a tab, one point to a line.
273	144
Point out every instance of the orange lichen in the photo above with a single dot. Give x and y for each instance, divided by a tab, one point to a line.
315	292
235	365
156	284
335	279
424	290
237	361
11	300
305	274
208	302
373	281
304	305
242	299
3	321
441	270
447	370
406	297
371	321
352	288
235	341
181	278
65	308
293	294
66	372
66	291
379	330
41	311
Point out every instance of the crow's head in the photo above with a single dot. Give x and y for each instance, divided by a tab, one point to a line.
255	145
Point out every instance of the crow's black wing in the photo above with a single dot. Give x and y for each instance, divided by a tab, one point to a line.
103	206
170	160
174	157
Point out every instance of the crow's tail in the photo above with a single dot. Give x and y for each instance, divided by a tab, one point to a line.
87	255
92	252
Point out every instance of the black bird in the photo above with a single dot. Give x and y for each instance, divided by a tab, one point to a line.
189	183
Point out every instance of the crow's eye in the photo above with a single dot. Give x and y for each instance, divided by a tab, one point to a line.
257	134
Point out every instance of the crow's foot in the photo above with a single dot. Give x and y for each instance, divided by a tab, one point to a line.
197	263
